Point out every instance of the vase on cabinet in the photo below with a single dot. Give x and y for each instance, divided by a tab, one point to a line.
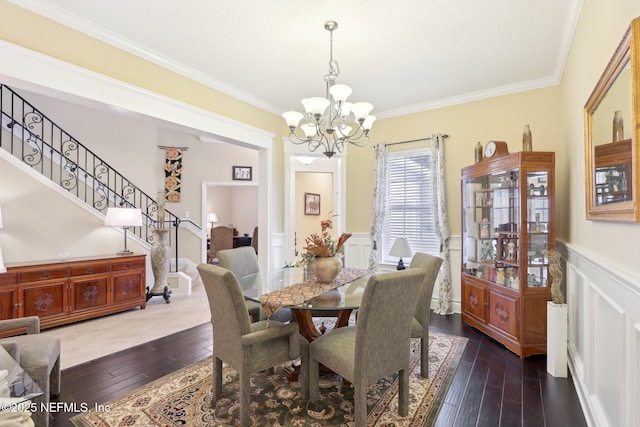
160	259
325	269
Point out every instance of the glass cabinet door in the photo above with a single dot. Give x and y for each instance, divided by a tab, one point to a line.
490	228
537	229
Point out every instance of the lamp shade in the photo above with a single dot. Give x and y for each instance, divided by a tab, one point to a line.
212	217
124	217
0	217
401	248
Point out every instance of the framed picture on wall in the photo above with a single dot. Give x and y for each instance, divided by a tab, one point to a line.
242	173
311	204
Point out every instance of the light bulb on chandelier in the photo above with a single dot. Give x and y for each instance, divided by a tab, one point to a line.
331	122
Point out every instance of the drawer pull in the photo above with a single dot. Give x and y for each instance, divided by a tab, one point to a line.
45	274
91	270
127	266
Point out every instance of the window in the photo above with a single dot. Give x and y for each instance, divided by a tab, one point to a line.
408	210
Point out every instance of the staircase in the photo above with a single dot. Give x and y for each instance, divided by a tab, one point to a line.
36	141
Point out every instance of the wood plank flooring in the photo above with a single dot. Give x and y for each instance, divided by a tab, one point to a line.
492	386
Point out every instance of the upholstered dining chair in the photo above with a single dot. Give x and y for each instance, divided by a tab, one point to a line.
246	347
430	264
243	261
38	355
377	346
221	238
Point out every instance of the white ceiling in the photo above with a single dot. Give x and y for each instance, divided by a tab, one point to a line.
402	56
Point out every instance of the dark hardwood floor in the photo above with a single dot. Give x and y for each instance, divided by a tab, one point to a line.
492	386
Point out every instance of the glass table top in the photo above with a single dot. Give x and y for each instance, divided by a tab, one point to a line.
16	386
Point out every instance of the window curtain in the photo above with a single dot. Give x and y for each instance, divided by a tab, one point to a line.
379	193
441	224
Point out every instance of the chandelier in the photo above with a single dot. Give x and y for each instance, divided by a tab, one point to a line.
331	122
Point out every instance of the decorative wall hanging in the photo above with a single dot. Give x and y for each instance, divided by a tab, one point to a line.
311	204
173	173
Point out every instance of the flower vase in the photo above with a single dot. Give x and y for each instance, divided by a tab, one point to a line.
160	259
325	269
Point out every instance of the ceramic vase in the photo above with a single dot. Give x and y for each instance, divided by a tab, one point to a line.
160	259
325	269
618	126
527	144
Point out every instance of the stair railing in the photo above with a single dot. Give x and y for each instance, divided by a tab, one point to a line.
40	143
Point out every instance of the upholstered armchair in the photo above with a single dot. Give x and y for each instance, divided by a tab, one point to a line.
430	264
221	238
377	346
242	262
246	347
38	355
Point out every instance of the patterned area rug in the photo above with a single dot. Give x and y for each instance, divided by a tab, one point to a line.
183	398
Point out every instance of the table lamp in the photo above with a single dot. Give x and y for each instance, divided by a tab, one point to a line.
3	269
125	218
401	249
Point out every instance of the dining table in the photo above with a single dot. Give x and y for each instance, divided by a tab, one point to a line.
297	289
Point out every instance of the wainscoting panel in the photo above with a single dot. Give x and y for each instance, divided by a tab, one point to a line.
604	338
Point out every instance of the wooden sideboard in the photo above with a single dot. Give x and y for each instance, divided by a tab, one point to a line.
62	292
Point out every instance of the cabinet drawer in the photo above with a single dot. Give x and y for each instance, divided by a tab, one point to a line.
84	270
128	265
503	313
49	274
8	279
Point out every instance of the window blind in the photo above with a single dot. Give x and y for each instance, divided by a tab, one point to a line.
408	211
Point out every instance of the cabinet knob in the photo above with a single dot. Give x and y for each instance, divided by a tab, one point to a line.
44	274
128	265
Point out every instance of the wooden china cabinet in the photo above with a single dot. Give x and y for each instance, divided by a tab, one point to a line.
508	222
61	292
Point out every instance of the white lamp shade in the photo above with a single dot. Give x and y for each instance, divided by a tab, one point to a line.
368	122
361	110
316	105
292	118
0	218
343	130
340	93
345	109
212	217
401	248
124	217
309	130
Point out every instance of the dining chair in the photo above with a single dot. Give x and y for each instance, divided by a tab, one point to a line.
377	346
38	355
430	264
221	238
246	347
243	261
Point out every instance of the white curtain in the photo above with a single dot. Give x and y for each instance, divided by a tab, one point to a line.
379	194
441	223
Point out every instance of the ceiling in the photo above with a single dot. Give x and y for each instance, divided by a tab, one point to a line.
403	56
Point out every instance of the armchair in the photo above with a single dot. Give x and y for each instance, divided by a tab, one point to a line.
377	346
246	347
38	355
430	264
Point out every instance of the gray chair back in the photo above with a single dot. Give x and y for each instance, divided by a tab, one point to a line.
384	323
430	264
229	315
242	261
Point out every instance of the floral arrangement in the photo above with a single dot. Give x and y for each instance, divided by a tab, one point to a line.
322	245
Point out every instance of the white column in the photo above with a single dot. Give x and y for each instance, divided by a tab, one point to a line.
557	339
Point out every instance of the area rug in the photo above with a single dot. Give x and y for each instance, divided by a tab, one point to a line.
183	398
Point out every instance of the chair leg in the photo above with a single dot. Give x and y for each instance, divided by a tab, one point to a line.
245	398
424	356
403	392
360	404
303	377
217	381
313	379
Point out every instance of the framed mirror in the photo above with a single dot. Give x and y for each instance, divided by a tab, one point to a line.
611	136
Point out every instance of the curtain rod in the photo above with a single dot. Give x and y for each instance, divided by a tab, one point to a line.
164	147
413	140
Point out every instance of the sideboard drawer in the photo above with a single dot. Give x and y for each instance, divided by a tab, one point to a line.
8	279
48	274
89	269
128	265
